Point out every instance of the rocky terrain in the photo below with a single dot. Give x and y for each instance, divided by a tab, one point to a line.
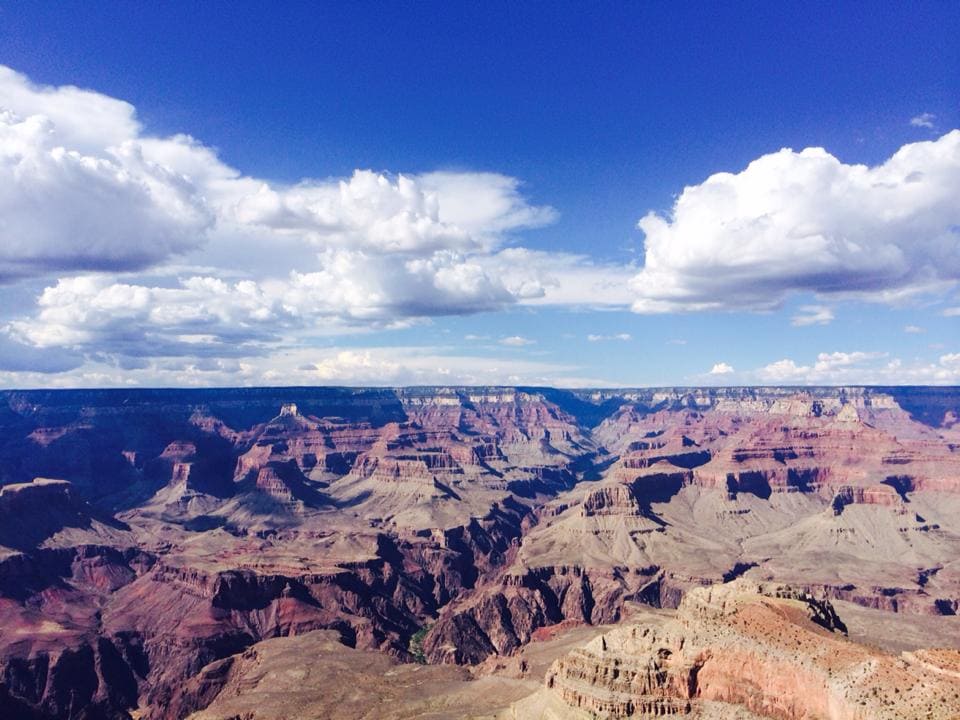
164	551
746	649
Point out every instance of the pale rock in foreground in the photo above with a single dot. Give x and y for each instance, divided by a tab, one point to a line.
742	650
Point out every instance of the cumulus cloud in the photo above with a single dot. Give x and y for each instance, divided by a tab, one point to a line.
807	222
156	262
235	264
419	366
783	371
203	315
67	156
856	367
63	210
913	329
483	203
865	369
404	214
721	368
813	315
238	262
431	366
923	120
77	190
85	121
208	314
831	361
537	277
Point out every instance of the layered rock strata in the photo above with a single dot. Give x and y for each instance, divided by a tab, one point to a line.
191	525
769	649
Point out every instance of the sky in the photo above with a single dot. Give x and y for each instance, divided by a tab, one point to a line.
575	195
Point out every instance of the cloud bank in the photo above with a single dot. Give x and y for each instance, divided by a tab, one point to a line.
153	259
192	257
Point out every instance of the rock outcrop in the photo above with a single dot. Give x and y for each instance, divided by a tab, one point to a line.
32	513
769	649
814	489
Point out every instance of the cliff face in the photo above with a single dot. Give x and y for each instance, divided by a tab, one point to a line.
772	650
32	513
840	492
191	525
364	522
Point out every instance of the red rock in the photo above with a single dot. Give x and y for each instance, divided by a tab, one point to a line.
198	524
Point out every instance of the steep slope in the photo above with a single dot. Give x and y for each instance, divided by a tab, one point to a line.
845	494
273	680
767	649
47	511
294	524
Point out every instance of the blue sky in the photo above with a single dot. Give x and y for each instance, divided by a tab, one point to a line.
194	214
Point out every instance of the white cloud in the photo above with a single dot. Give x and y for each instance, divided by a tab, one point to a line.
211	276
348	291
913	329
352	289
84	188
813	315
923	120
110	317
63	210
484	203
353	364
619	336
860	368
806	222
952	312
381	214
721	368
136	203
84	120
419	366
831	361
783	371
829	367
388	366
517	341
537	277
951	362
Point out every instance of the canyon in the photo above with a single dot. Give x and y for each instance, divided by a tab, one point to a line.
480	552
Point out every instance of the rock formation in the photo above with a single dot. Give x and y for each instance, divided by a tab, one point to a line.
768	649
186	527
845	495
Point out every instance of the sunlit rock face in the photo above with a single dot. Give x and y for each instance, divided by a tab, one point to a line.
766	648
147	535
